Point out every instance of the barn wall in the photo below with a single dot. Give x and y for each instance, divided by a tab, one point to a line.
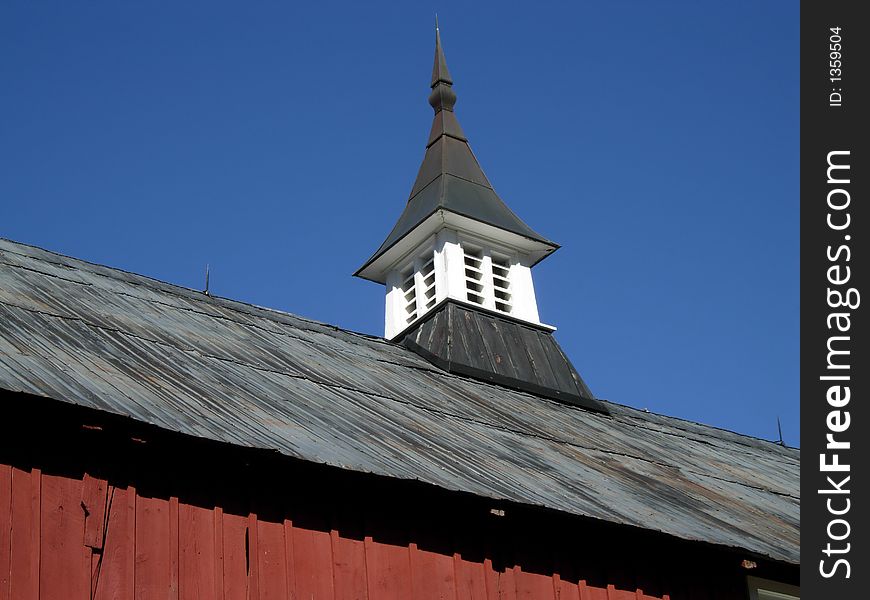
62	540
92	509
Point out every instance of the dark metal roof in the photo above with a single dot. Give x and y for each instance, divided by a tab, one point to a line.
450	177
227	371
485	345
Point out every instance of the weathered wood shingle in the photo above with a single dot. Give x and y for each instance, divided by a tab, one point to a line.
227	371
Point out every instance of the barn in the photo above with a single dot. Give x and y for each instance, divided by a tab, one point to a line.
157	442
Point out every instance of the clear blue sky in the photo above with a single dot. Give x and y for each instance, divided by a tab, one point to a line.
278	141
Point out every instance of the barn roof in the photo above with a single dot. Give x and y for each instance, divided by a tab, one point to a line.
235	373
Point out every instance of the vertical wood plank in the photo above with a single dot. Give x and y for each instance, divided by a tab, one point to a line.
35	530
5	531
491	579
594	593
173	548
97	537
616	594
65	562
130	553
108	568
507	585
95	494
470	579
218	533
533	586
387	571
290	569
195	552
568	590
349	567
252	554
273	564
235	567
313	563
94	571
22	584
115	581
152	549
432	575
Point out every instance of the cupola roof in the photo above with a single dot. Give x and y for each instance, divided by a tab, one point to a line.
451	187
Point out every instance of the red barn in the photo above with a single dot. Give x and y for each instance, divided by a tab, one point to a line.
161	443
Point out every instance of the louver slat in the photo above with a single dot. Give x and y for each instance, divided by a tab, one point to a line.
474	277
428	276
501	285
409	289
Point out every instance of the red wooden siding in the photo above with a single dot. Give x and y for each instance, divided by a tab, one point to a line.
5	531
144	547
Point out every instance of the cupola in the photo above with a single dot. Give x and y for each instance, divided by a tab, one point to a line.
457	267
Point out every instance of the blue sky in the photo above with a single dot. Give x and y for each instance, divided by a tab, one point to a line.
277	141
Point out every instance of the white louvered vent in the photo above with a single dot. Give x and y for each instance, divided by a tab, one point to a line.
474	283
501	285
409	297
452	267
427	277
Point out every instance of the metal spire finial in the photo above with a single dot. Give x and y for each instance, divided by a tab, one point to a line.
442	96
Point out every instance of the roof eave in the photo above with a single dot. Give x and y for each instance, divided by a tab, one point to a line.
376	268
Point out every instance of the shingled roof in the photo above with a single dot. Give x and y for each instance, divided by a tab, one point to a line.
234	373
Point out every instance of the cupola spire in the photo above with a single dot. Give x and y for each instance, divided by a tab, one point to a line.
442	97
451	187
457	268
